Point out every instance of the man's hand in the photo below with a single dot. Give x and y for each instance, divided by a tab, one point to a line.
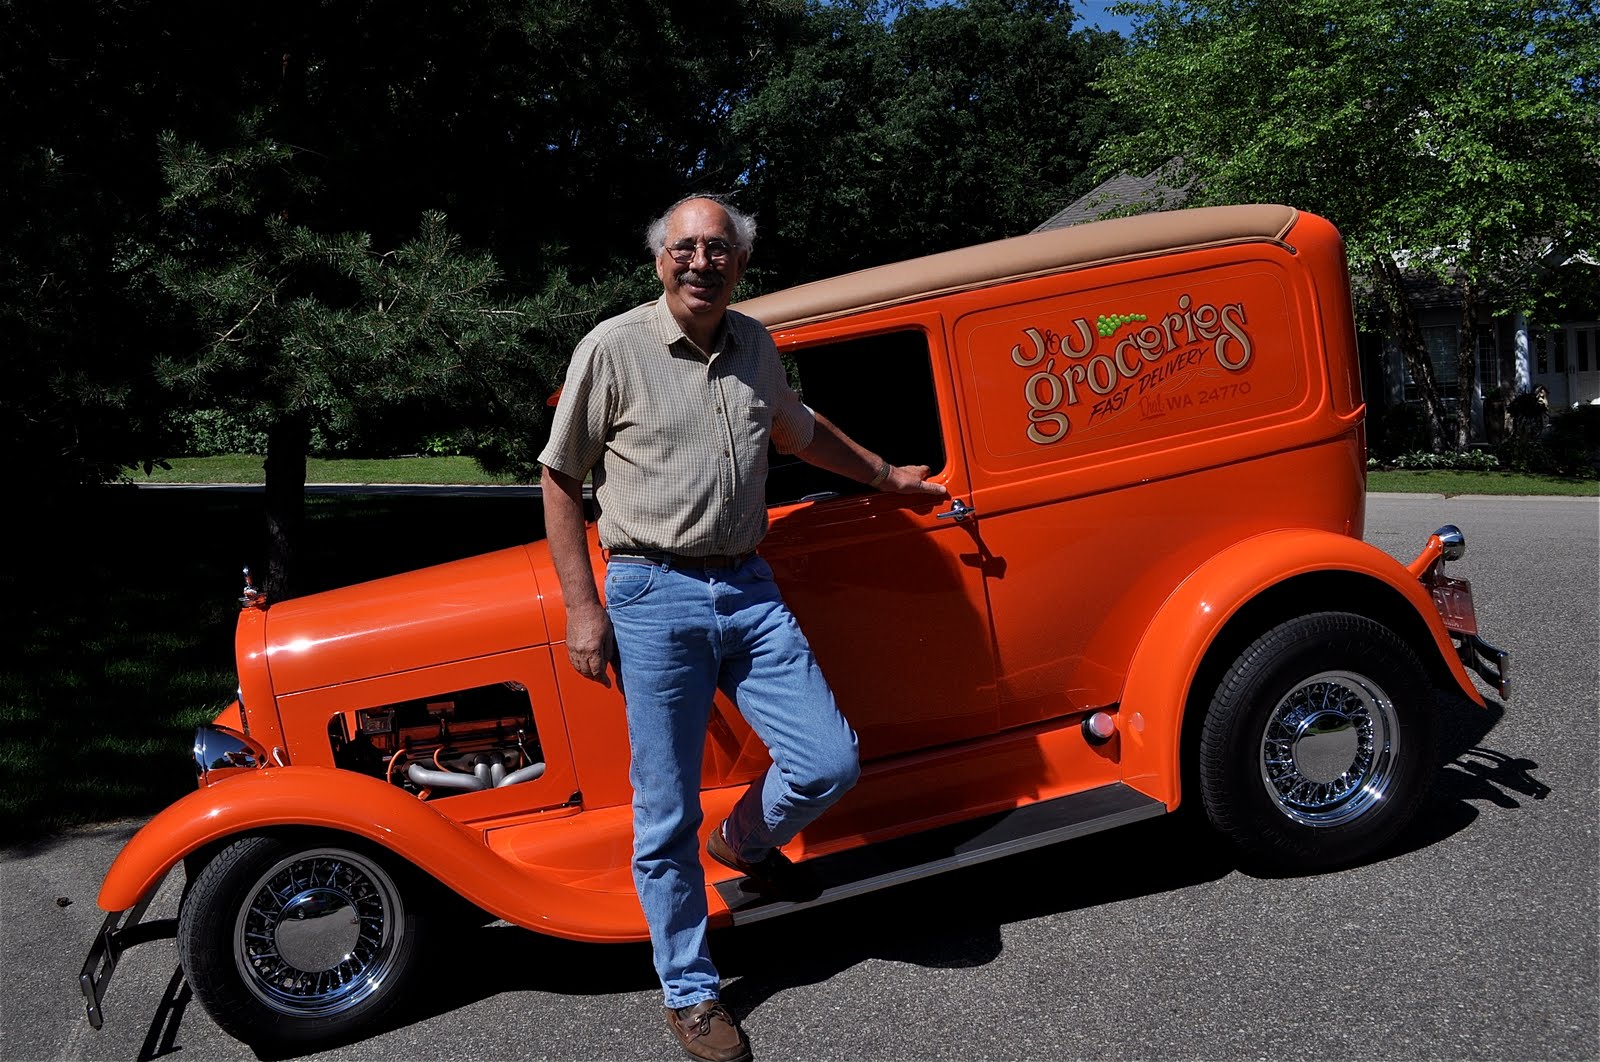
911	479
590	643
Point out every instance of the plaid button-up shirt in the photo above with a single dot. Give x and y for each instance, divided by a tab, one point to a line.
677	440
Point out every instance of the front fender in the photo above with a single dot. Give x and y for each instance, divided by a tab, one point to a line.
1176	641
364	807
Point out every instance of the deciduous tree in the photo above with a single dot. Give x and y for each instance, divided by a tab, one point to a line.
1461	137
886	130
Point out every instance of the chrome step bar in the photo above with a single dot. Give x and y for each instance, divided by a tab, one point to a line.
879	866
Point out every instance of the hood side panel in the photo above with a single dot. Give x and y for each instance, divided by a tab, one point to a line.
468	608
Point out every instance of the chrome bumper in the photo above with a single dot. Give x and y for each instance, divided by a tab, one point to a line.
1488	662
1453	599
120	931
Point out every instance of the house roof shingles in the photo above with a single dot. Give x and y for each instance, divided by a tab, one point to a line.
1153	191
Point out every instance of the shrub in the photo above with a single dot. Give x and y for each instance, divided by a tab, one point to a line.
208	432
1426	461
1570	446
1398	429
448	445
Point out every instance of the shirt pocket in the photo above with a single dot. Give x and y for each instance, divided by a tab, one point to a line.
751	435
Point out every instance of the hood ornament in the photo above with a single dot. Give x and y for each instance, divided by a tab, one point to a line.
252	598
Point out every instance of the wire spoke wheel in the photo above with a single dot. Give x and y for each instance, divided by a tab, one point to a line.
1314	750
293	943
1328	749
317	934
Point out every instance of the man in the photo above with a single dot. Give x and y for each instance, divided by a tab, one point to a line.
671	406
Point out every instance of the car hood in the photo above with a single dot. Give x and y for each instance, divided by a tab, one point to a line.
467	608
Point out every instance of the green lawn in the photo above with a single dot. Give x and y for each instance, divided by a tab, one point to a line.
245	468
1510	483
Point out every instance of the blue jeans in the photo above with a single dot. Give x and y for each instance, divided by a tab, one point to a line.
682	634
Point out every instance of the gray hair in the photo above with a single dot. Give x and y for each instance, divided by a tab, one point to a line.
744	226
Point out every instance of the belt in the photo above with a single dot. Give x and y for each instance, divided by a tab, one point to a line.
668	559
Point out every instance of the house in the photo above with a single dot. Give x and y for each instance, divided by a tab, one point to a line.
1514	356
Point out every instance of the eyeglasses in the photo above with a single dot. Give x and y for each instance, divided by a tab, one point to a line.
682	252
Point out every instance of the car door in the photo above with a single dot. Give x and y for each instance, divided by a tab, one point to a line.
888	588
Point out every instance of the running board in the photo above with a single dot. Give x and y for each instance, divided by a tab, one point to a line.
920	855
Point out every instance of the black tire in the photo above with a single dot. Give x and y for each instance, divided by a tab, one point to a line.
294	942
1318	745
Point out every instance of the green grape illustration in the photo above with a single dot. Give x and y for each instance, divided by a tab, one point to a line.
1107	324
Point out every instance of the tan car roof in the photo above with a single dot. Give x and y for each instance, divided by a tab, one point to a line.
1035	254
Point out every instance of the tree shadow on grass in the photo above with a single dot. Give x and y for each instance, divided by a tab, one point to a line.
123	604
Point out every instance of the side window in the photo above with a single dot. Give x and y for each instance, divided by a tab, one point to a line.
879	391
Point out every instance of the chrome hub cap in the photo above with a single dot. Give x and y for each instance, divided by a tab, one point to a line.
317	934
1328	750
318	930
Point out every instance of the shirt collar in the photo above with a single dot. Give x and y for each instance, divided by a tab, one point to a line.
669	331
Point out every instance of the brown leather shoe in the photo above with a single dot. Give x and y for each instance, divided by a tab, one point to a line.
774	875
708	1030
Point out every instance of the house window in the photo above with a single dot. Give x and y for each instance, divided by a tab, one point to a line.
1541	353
1442	344
1583	339
1488	360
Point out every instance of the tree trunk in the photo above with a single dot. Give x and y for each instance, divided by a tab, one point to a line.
288	440
1403	325
1466	363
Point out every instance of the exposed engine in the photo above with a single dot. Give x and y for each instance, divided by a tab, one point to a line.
481	738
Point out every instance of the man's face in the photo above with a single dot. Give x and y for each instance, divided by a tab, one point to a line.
700	265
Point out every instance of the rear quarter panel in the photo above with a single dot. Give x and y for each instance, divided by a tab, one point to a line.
1128	422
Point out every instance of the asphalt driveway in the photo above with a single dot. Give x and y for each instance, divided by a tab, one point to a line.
1476	937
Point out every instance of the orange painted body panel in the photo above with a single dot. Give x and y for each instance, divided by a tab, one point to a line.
467	608
1149	441
1177	638
366	807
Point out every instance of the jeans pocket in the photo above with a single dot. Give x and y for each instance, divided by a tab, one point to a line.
627	583
760	568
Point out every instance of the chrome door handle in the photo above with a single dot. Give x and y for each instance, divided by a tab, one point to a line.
958	511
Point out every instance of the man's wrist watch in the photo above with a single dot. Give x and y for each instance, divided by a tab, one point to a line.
884	468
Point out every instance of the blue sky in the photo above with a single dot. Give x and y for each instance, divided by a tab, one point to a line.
1093	13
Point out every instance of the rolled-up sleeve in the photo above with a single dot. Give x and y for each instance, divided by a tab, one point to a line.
583	414
793	423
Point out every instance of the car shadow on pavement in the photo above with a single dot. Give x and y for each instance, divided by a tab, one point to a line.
815	945
1149	858
1469	772
161	1038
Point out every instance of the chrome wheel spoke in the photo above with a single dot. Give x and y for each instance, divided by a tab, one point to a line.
1327	751
319	933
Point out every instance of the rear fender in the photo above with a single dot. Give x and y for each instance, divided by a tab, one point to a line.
365	807
1175	644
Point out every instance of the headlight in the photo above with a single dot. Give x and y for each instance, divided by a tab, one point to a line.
1453	541
220	752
